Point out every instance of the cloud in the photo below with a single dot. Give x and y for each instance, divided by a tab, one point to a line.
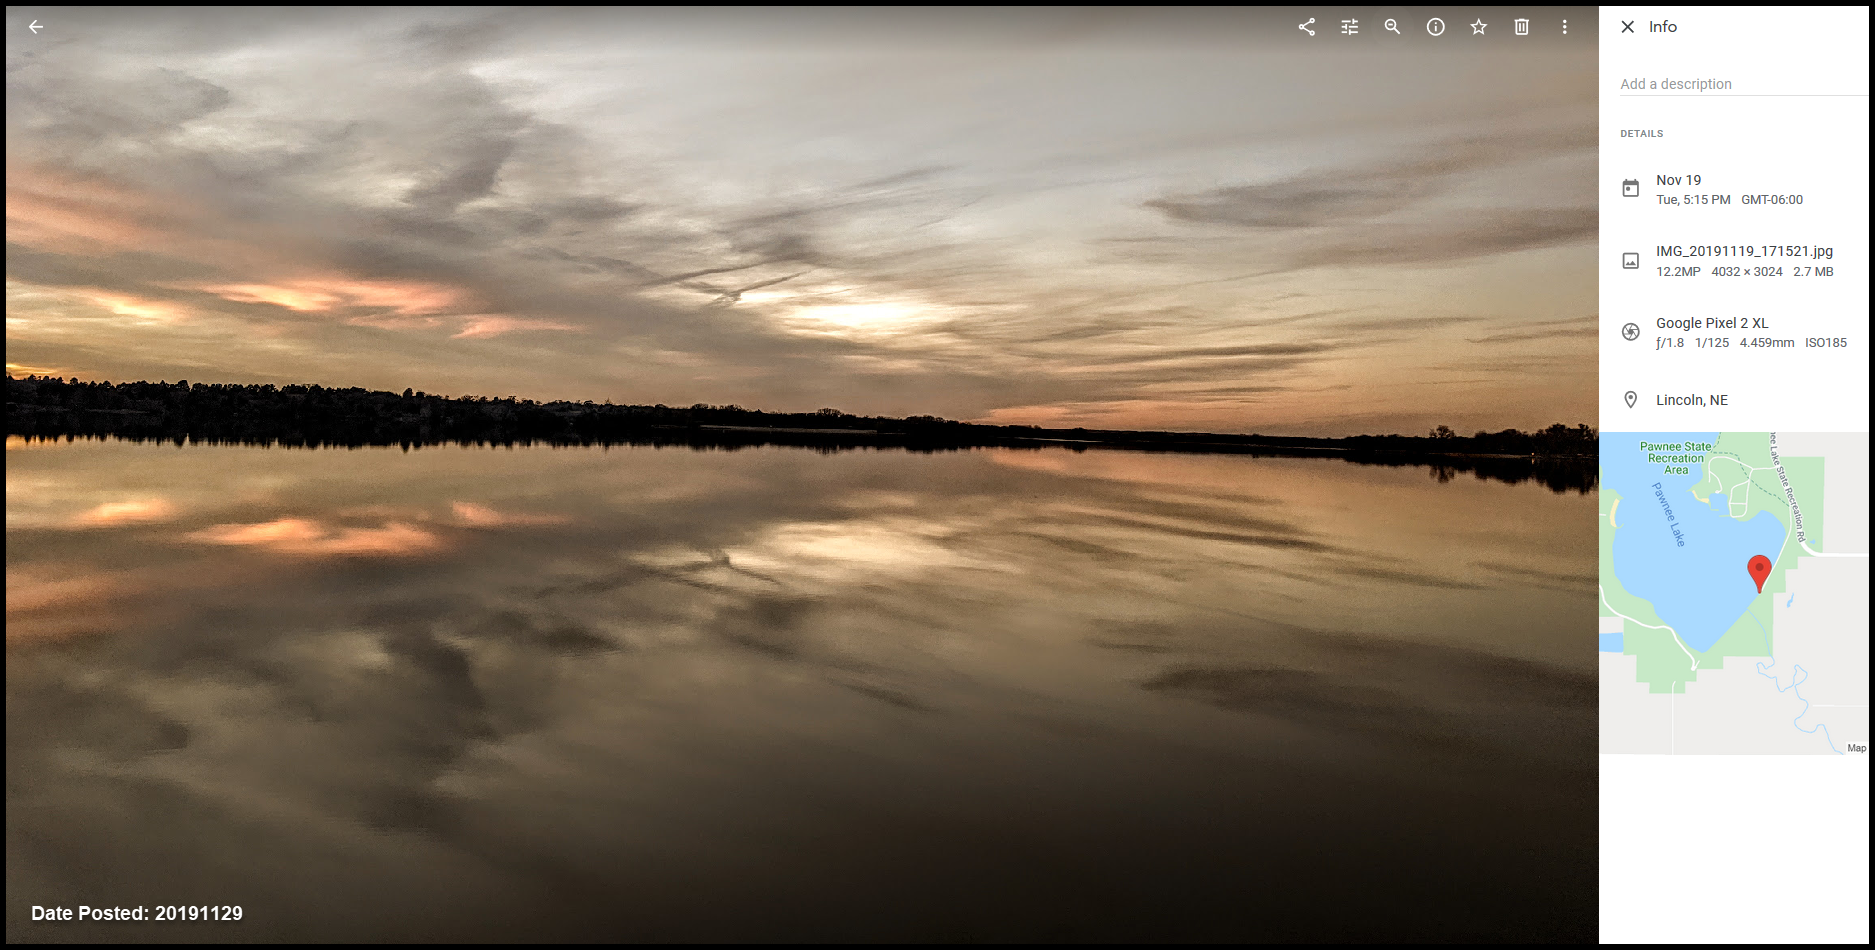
1587	326
1415	210
482	516
488	326
488	202
1298	203
1363	193
77	213
1481	234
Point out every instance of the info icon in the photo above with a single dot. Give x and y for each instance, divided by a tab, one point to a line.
1631	188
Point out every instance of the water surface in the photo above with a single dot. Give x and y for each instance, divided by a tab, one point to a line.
777	693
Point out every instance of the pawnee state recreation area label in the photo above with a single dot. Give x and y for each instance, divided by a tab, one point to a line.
1682	555
1676	456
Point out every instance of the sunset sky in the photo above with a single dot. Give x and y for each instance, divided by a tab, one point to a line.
1187	220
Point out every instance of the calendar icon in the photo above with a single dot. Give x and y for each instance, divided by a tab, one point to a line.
1631	188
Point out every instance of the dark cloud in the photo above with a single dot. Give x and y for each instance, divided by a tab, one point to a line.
1547	330
475	165
1253	349
1404	323
1298	204
1404	212
1536	577
1340	196
1541	363
1477	235
1367	698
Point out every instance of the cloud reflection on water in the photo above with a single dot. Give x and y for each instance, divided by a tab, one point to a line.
120	512
301	536
992	693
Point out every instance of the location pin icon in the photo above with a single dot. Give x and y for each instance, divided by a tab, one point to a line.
1630	397
1759	567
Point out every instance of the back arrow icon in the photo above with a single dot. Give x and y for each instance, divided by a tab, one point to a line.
33	26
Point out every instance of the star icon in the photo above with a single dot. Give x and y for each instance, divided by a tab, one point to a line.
1477	26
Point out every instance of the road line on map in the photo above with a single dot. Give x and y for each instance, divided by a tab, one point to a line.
1676	633
1805	545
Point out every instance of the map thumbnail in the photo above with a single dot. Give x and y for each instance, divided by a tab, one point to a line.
1734	593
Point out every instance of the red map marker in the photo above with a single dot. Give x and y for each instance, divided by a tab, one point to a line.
1760	568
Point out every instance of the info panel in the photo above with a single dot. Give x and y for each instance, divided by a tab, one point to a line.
1733	531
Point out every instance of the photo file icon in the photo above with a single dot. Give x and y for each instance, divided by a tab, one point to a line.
1631	188
1631	260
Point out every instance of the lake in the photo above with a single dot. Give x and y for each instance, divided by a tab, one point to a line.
778	693
1686	558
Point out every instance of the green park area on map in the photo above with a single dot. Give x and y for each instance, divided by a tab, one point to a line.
1736	478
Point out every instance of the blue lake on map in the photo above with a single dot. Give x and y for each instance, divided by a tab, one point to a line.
1699	589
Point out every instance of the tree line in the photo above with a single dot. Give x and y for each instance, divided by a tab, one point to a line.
312	415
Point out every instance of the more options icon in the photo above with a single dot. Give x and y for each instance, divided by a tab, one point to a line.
1435	26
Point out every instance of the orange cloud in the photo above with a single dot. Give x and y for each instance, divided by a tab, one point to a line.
127	512
289	297
404	298
28	306
486	326
31	590
61	600
300	536
140	308
481	516
50	209
1116	414
21	369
